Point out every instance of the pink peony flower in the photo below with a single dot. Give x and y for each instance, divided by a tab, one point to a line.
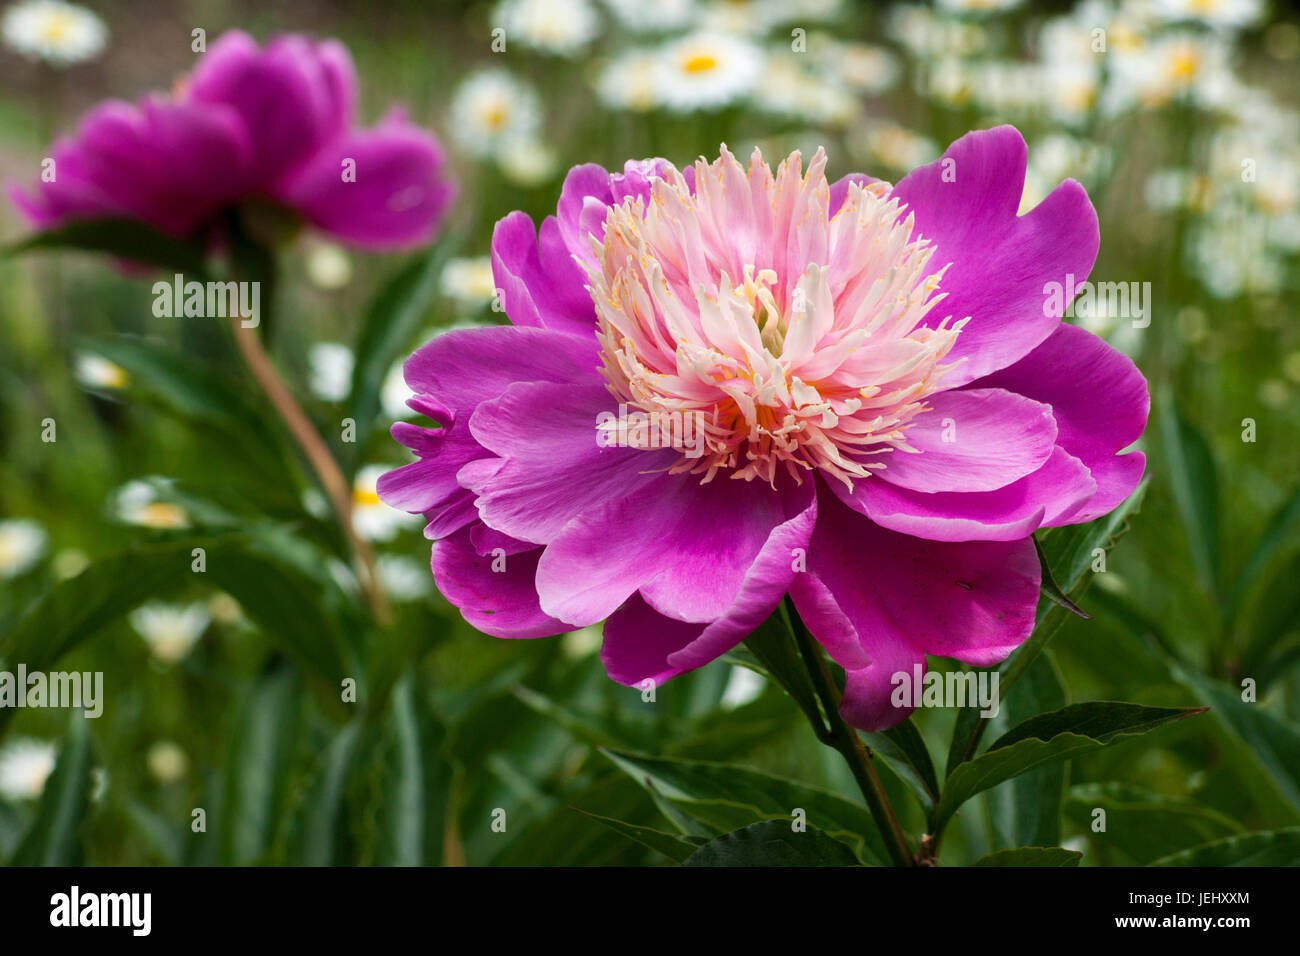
274	124
887	409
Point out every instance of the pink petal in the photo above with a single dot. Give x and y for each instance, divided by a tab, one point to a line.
464	368
890	598
1100	402
1000	261
1055	491
394	192
554	469
501	603
973	440
640	643
540	285
686	546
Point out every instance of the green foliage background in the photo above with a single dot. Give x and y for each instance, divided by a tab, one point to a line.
451	727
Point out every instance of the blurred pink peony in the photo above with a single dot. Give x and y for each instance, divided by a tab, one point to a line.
273	124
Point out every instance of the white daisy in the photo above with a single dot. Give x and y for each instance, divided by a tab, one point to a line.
22	543
138	502
226	610
980	7
789	87
25	765
628	81
170	630
803	11
1058	156
69	562
870	70
1177	65
328	266
527	162
394	393
59	33
736	17
743	686
167	761
1006	86
658	16
925	34
491	109
706	71
469	281
560	27
373	519
403	578
894	145
96	372
582	643
330	365
1231	14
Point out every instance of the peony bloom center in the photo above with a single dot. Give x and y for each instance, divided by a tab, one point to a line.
792	336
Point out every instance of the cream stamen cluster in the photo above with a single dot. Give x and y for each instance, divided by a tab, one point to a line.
792	337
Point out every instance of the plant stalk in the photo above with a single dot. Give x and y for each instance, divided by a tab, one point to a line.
845	740
318	456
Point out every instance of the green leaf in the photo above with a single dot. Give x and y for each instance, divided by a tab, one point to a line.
1070	550
128	239
1026	810
290	606
1032	856
1145	826
315	827
774	648
582	727
390	323
562	837
284	602
728	797
195	392
55	835
1278	534
773	843
76	608
158	832
1193	479
1269	848
1055	736
1274	744
1050	589
257	767
1272	616
676	848
413	784
904	749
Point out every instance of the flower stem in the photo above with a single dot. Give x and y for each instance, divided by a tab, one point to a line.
845	740
318	455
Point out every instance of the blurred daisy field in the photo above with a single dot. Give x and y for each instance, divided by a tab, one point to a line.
305	685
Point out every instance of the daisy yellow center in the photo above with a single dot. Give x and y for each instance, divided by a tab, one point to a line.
794	340
700	63
56	28
495	117
162	514
365	497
